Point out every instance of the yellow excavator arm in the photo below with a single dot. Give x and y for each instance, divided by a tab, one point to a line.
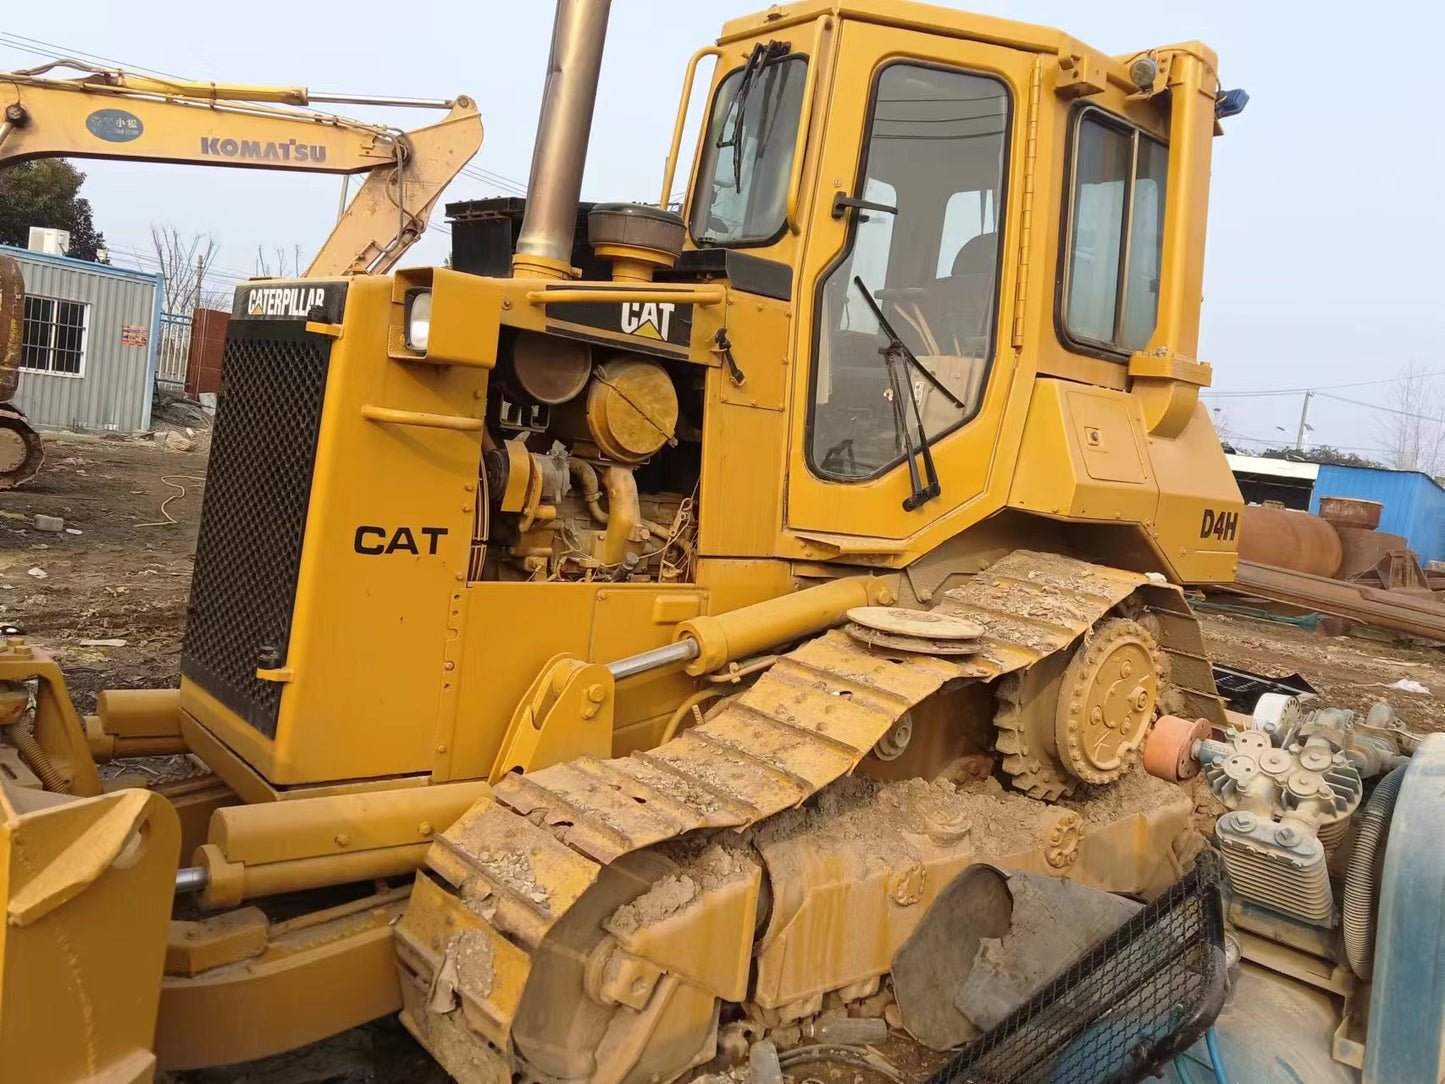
116	114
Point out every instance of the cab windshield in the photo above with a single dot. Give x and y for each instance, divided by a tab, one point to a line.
747	153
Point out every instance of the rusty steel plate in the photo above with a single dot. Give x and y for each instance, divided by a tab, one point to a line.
920	624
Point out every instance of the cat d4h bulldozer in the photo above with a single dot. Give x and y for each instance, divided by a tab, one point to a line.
639	634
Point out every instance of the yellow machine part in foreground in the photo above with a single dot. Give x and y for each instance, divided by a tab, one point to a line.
78	996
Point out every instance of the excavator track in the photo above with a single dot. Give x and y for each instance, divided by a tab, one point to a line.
522	858
21	452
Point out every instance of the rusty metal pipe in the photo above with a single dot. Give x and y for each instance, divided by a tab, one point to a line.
544	246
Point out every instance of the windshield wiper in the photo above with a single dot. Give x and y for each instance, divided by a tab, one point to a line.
925	488
761	56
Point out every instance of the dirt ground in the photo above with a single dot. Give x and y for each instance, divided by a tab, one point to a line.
1351	671
126	575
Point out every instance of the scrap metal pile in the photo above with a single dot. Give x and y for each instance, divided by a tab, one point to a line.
1338	563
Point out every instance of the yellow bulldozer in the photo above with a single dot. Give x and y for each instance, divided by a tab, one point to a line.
613	672
120	115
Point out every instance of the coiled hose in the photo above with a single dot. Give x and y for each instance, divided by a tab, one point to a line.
39	761
1361	883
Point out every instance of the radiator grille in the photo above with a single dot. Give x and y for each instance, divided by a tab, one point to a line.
258	486
1122	1009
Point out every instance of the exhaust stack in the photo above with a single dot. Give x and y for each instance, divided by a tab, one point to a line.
544	246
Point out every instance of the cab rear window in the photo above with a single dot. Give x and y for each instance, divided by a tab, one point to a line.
1116	234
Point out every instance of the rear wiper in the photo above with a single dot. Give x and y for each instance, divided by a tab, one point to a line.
925	488
761	56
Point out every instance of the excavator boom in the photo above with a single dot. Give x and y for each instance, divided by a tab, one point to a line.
114	114
119	115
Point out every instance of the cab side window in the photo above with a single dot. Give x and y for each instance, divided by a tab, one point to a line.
1116	235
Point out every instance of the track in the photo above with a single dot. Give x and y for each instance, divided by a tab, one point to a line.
522	859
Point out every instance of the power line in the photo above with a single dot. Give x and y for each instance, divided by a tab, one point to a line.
1377	406
61	52
1319	388
495	180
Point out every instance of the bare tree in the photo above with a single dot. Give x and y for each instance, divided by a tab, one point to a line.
1222	427
1413	432
183	262
281	265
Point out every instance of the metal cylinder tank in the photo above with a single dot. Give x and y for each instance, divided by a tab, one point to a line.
1288	539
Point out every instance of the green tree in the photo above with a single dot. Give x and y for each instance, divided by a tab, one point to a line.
45	193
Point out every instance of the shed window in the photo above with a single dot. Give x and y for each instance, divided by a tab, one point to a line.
1116	234
54	336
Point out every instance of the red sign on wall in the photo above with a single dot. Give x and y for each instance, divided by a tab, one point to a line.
134	335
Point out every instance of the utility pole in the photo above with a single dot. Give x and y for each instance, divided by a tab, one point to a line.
200	270
1299	440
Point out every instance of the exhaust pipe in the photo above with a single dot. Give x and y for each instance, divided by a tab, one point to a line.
544	246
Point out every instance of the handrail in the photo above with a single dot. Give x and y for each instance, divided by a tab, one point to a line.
670	170
390	416
583	296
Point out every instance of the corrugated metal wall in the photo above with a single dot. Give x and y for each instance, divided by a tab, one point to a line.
113	392
1414	503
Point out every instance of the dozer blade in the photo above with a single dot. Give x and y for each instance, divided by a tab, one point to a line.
87	885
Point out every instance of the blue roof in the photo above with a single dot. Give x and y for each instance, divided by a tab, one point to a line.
84	265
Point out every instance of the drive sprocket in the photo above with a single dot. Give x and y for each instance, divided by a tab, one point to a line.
1080	715
1024	729
1107	700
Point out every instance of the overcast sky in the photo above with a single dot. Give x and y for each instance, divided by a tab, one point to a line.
1326	226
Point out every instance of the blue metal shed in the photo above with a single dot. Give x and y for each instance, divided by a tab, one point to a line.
1414	502
91	335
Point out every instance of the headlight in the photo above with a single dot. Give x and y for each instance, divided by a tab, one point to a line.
418	320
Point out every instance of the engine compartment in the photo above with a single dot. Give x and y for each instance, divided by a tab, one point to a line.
590	466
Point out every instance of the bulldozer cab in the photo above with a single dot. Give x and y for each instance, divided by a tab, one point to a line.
962	208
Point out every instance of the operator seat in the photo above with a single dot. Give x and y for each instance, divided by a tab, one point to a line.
958	313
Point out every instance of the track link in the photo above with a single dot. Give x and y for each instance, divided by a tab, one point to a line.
523	857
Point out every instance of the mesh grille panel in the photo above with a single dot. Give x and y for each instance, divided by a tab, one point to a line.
1147	993
258	485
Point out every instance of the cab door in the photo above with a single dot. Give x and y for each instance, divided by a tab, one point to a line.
924	130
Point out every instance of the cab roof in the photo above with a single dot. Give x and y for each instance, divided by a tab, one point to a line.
931	19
